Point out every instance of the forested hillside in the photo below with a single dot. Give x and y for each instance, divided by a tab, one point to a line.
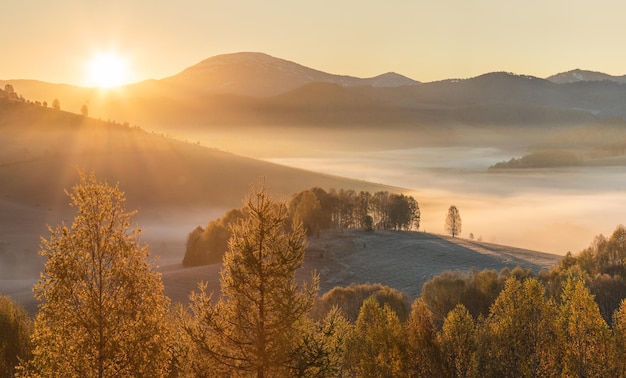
568	320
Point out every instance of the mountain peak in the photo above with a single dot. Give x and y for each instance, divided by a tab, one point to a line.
261	75
390	79
578	75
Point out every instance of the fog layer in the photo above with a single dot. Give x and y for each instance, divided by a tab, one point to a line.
550	210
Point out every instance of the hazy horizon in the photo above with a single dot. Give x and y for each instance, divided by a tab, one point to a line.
424	41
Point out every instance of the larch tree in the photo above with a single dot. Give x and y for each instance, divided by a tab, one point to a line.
377	345
425	358
458	340
584	335
453	221
255	325
619	333
102	310
521	328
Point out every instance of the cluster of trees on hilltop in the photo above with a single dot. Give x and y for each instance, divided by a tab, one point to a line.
317	210
345	209
541	159
9	93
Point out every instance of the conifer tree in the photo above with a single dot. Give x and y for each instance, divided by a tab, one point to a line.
425	358
376	348
102	310
521	327
255	325
458	340
619	332
584	335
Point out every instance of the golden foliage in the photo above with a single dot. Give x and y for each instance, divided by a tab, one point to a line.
102	310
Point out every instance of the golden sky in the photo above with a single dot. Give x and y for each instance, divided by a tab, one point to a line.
425	40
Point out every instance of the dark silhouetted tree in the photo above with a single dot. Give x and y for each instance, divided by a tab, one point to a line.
56	105
368	223
207	246
84	110
15	331
453	221
8	88
305	208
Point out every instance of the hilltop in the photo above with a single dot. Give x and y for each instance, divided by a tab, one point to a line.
402	260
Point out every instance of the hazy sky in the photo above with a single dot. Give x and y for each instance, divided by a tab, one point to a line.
425	40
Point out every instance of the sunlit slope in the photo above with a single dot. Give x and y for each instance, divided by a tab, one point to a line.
42	149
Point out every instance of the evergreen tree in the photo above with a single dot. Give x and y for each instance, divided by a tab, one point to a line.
256	324
102	310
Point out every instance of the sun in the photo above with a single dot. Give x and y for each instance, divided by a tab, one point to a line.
107	70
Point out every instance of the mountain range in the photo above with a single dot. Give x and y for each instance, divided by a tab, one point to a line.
257	89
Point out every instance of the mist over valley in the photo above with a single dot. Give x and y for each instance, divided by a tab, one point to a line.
186	149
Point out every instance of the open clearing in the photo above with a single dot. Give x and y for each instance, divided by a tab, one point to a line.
402	260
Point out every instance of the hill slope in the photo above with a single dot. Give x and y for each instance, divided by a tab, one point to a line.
402	260
175	185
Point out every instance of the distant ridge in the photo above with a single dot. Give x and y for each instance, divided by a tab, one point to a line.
578	75
253	88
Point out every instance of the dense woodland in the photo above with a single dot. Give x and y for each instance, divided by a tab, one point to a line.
103	313
317	210
541	159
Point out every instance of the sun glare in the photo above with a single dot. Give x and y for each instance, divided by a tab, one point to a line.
106	70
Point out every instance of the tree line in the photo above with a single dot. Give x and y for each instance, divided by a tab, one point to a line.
317	210
103	313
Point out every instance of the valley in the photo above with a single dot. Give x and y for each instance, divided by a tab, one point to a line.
190	146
